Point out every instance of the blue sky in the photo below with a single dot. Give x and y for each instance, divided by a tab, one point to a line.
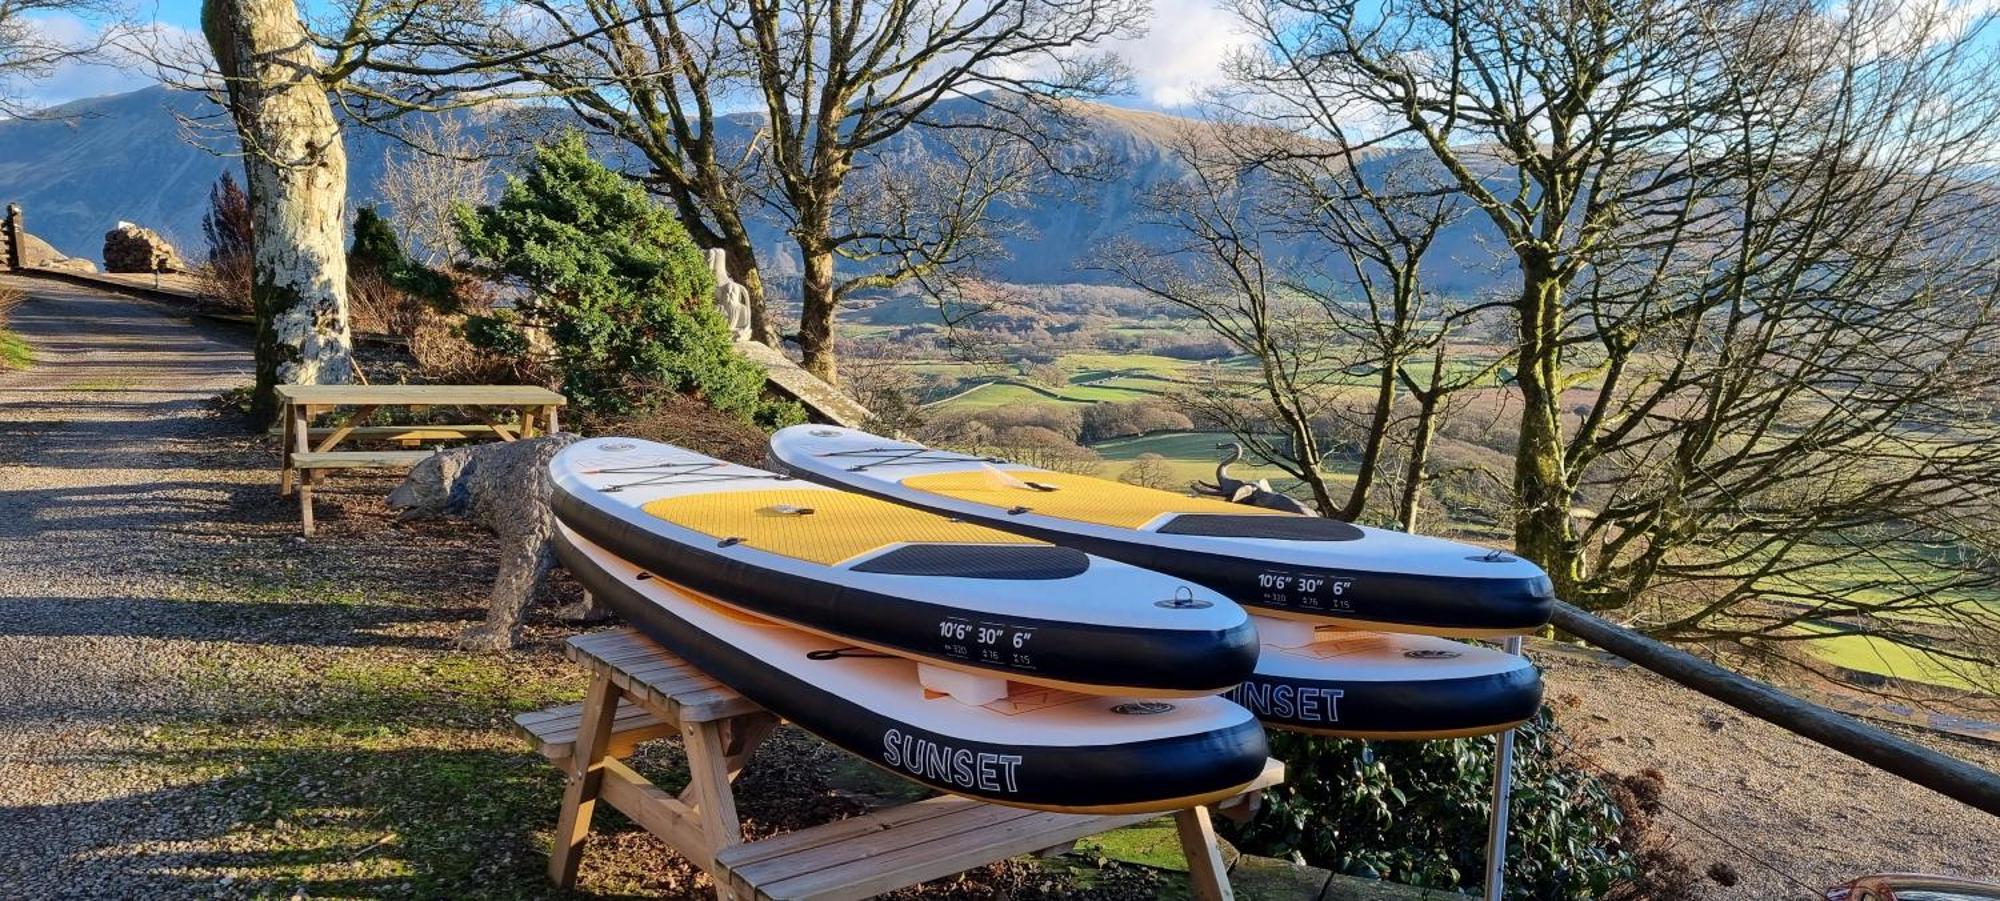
1183	50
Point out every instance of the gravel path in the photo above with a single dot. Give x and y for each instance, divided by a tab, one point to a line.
106	474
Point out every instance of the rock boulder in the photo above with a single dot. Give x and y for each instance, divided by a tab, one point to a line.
131	248
37	253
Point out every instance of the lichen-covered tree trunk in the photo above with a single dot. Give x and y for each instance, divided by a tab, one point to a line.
297	170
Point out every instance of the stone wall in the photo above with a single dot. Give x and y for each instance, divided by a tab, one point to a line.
20	249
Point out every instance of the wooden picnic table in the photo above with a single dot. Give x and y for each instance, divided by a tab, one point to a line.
639	692
506	412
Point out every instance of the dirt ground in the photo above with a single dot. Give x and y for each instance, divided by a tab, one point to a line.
1789	816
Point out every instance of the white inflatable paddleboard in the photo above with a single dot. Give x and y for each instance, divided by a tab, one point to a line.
1279	564
1333	681
961	597
1037	747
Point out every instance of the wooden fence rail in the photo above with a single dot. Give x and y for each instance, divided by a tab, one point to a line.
1941	773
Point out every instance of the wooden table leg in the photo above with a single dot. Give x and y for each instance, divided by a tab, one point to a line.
549	424
345	427
745	734
708	783
600	707
301	443
285	453
1205	867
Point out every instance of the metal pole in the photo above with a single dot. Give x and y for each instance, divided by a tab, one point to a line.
1503	792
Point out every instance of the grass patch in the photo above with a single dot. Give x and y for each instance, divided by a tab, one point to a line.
1153	843
120	383
14	351
418	813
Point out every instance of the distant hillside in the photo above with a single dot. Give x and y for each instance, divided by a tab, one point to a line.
130	156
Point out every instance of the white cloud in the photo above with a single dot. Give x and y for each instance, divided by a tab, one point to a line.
125	62
1183	53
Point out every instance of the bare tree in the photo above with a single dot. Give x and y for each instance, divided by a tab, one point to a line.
1754	309
835	86
446	165
1303	250
838	81
378	60
32	49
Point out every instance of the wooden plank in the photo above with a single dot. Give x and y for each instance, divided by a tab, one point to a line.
553	732
433	431
791	843
359	459
432	395
1206	870
657	677
343	428
661	813
953	829
586	778
836	876
301	421
285	471
971	818
708	784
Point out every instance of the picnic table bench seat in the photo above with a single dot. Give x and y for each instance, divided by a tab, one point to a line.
640	692
368	459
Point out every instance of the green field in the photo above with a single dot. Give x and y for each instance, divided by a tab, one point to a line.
1010	391
1188	456
1868	654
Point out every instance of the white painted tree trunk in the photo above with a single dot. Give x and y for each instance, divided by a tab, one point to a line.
297	170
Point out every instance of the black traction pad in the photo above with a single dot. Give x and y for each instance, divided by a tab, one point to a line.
1284	528
971	561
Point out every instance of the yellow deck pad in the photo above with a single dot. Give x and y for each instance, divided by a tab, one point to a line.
840	527
1076	497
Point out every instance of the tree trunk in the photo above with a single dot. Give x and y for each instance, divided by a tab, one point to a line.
1420	451
816	314
1542	528
1371	449
297	170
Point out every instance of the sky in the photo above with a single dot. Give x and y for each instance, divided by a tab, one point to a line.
1182	52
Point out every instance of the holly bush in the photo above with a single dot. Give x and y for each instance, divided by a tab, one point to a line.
1416	813
615	284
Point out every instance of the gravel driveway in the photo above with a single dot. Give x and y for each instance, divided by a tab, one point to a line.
106	471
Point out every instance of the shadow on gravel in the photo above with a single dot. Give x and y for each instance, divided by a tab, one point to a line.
338	820
305	621
196	442
217	509
427	823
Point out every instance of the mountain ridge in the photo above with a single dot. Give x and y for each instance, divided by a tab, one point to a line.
86	165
